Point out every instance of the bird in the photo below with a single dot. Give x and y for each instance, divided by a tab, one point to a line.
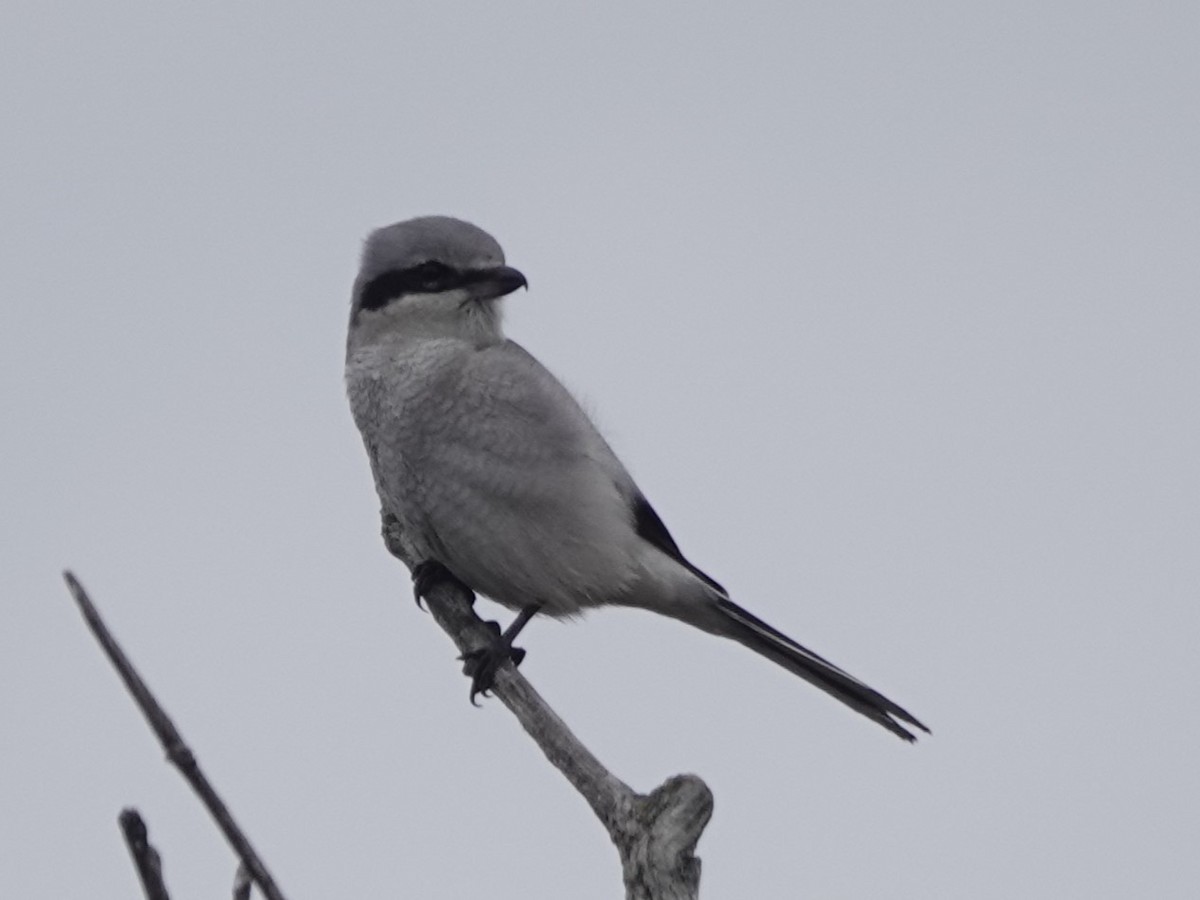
497	478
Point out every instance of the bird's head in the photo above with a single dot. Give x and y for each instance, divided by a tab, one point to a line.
432	276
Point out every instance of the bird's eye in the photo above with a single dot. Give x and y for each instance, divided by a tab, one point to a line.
431	276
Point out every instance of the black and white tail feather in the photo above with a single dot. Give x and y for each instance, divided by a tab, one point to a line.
717	614
750	631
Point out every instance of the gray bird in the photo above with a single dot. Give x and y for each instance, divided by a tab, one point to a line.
496	477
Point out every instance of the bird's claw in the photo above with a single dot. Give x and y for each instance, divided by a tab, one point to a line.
482	663
428	573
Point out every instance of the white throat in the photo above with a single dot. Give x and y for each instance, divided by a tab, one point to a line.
420	317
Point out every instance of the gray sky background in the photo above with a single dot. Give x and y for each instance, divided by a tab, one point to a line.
891	309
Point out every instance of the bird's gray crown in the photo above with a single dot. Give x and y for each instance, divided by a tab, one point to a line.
443	239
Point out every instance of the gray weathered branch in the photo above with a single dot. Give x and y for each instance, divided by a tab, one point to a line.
655	834
178	752
145	858
242	882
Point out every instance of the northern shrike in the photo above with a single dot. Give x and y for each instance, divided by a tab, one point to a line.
494	474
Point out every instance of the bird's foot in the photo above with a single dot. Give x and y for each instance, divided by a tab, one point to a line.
482	664
428	573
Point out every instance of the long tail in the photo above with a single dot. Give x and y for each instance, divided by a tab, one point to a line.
680	590
729	619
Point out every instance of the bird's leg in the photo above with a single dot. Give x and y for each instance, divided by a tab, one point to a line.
482	664
428	573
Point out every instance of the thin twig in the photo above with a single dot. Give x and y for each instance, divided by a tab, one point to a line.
242	882
655	834
145	857
177	751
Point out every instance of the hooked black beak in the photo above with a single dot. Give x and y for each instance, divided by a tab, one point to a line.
489	284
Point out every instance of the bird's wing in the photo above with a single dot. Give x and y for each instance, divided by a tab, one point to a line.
653	531
526	501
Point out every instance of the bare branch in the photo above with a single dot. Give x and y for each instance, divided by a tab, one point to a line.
177	751
145	857
242	882
655	834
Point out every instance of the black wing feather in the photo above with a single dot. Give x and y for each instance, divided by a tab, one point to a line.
651	529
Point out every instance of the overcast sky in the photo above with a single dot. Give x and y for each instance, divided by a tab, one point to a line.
890	308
